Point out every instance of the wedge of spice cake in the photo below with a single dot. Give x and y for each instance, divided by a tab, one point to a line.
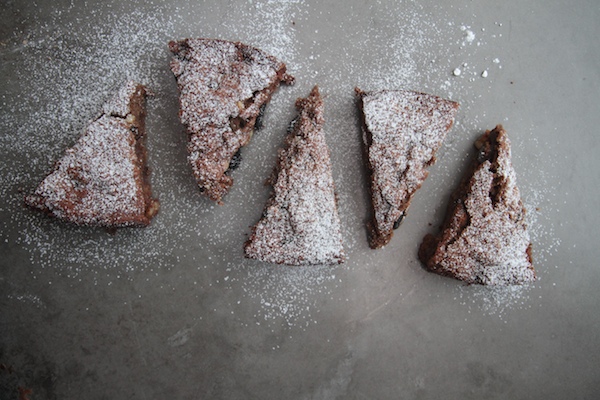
300	222
223	90
484	237
402	130
103	180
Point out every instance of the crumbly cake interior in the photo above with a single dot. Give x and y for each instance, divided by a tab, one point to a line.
224	88
103	180
484	238
300	223
402	130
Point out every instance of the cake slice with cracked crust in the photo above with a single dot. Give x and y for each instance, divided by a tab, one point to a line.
484	237
223	90
103	180
300	223
402	130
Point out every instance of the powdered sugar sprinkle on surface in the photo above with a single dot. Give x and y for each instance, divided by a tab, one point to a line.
107	46
67	72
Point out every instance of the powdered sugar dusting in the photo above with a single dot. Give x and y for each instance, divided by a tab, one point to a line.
494	300
271	26
300	224
500	248
223	86
89	61
485	240
67	68
96	181
405	129
119	104
77	64
540	218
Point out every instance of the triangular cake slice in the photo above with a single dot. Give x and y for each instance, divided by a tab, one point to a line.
300	223
103	180
223	89
484	237
402	130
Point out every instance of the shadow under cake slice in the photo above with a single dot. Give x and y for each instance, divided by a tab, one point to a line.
103	180
484	238
300	222
402	130
224	88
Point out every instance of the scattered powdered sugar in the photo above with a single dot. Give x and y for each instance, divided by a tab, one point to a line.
77	61
469	47
289	294
79	65
399	37
542	211
120	104
28	298
494	300
67	68
469	35
268	25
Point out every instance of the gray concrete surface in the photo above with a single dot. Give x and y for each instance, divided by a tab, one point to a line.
175	312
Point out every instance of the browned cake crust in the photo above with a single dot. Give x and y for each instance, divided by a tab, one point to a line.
103	180
300	223
223	89
402	130
484	237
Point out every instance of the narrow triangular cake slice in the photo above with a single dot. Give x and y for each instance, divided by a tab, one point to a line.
103	180
300	223
484	237
223	90
402	130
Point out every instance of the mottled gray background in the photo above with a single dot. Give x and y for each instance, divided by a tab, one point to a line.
174	311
